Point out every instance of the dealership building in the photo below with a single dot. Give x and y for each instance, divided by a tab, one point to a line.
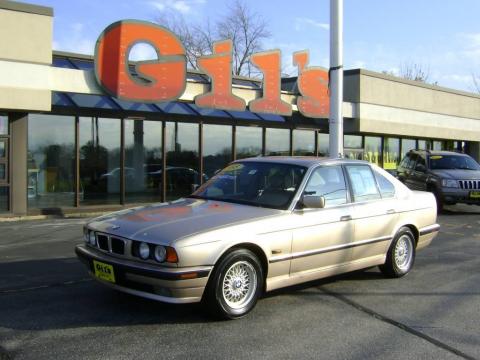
66	146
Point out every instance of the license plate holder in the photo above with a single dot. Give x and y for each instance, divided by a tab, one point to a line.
475	195
104	271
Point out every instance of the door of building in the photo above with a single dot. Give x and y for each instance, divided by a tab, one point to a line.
4	175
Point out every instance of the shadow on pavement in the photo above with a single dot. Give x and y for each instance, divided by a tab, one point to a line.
59	294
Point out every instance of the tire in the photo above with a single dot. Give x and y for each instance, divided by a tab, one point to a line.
435	193
235	285
401	255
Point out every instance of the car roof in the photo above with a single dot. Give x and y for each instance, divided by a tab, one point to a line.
438	152
306	161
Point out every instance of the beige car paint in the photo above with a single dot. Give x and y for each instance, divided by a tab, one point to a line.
294	245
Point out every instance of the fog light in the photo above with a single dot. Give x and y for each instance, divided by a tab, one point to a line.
91	237
144	250
160	253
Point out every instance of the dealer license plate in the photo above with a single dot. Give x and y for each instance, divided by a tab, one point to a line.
104	271
475	194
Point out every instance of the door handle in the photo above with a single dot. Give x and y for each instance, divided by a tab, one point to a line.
391	211
346	218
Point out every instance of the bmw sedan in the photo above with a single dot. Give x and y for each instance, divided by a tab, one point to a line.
258	225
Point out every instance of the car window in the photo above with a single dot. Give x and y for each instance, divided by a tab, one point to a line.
413	161
463	162
329	182
406	162
363	183
262	184
387	189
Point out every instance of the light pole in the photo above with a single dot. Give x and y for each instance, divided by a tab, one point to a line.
336	79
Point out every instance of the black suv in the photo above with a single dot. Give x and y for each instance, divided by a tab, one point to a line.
452	177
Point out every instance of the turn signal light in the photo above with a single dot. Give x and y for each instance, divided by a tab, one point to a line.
171	255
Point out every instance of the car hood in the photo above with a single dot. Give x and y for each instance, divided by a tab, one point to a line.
166	222
458	174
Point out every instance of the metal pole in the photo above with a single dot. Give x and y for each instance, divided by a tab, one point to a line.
336	79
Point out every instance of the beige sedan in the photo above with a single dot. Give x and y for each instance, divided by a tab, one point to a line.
259	225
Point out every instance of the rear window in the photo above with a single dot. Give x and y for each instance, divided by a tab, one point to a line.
387	189
363	183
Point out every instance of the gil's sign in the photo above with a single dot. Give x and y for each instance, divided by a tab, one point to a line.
166	75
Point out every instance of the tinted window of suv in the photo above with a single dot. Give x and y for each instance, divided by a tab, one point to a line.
453	162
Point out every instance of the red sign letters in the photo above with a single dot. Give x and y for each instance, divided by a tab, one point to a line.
164	79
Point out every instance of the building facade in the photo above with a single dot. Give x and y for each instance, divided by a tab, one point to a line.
66	146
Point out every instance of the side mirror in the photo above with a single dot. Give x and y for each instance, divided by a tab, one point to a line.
313	202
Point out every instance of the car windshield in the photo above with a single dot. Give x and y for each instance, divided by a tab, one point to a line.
270	185
440	162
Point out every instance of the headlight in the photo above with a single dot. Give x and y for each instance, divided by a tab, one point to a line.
450	183
144	250
160	253
85	235
91	237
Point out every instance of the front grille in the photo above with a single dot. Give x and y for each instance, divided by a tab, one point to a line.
102	242
469	184
118	246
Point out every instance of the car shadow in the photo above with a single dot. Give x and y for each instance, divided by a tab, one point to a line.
61	295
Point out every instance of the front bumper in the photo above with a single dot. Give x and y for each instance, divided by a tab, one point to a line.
172	285
452	195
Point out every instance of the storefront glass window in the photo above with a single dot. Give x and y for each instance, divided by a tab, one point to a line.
182	159
143	161
277	142
51	161
352	141
423	144
407	145
99	161
303	143
391	153
323	144
373	149
437	145
353	147
248	141
3	125
4	199
217	148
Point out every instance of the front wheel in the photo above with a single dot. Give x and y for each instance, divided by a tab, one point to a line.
401	255
235	285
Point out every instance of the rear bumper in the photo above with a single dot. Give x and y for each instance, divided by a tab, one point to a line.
172	285
426	235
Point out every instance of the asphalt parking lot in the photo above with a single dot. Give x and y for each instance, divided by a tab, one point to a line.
50	308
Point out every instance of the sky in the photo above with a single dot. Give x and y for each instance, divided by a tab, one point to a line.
442	36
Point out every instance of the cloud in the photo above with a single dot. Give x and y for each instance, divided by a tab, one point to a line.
182	6
302	22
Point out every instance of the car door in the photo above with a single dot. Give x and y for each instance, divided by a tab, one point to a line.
409	171
419	175
321	236
374	217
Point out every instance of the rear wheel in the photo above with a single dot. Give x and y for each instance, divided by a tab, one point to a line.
235	285
401	255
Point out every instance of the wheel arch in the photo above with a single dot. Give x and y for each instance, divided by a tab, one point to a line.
254	248
414	229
